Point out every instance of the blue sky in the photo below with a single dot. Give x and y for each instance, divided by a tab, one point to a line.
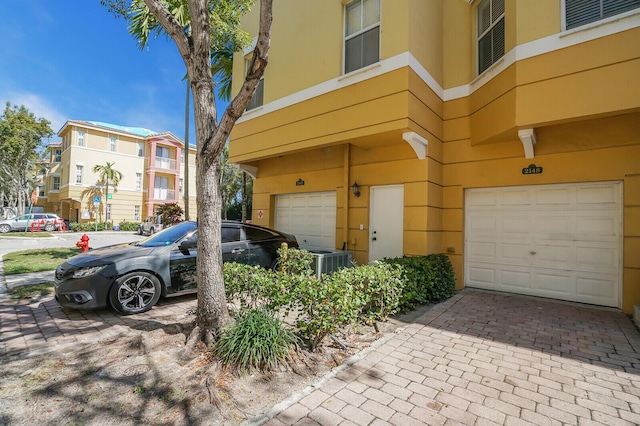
73	60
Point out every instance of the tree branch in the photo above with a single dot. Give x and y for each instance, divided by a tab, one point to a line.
172	27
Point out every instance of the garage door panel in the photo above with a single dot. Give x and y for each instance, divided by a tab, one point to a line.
554	197
561	241
311	217
514	279
597	194
481	276
515	198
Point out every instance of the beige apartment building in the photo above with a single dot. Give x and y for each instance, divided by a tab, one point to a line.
152	165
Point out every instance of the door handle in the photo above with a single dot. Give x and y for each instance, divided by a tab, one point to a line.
236	251
532	252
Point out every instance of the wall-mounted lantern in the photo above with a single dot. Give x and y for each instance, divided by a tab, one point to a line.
356	189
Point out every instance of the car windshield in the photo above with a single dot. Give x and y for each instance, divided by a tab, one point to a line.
168	235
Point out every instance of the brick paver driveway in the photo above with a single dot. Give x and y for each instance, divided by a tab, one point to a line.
488	358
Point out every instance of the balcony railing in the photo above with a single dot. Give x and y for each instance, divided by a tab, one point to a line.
164	194
165	163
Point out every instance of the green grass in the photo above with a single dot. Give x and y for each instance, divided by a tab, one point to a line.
26	235
36	260
30	291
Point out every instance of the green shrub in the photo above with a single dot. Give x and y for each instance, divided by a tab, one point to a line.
377	286
129	226
426	279
86	226
256	340
324	306
254	287
295	261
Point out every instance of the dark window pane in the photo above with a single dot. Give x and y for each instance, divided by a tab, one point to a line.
254	234
230	234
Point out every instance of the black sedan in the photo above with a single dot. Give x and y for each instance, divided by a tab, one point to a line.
132	277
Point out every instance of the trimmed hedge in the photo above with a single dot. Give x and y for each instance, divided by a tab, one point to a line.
426	279
367	294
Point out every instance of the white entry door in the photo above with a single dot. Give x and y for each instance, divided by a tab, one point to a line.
310	216
387	222
557	241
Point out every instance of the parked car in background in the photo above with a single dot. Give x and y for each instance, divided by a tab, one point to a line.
151	225
45	221
132	277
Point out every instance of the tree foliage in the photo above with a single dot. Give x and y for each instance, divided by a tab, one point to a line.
21	135
235	188
107	174
171	213
198	28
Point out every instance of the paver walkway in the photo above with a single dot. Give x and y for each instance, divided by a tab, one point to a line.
480	358
487	359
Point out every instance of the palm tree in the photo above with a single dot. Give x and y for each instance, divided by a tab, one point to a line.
107	174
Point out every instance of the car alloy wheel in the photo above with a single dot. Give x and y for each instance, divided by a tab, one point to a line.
49	227
5	228
134	293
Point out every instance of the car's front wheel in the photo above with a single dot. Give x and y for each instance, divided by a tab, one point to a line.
134	293
4	228
49	227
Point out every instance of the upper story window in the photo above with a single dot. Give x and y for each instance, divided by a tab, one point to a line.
182	157
258	97
138	181
140	149
490	33
56	183
361	34
81	135
79	170
57	155
112	143
581	12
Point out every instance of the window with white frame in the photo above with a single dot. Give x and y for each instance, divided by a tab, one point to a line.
79	170
56	183
81	135
40	190
138	181
361	34
581	12
112	143
57	155
181	186
490	33
140	149
136	213
258	97
182	157
108	212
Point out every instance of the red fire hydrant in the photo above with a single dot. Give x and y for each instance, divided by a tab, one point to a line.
83	243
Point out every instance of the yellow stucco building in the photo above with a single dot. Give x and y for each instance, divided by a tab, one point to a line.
505	133
152	166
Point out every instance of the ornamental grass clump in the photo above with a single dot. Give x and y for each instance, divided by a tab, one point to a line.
257	340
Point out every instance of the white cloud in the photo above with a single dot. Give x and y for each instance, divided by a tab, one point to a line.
39	106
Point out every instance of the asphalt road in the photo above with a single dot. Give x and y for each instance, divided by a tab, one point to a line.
59	240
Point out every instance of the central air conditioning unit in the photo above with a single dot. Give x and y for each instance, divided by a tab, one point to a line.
328	261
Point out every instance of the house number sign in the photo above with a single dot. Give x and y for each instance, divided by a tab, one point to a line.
532	170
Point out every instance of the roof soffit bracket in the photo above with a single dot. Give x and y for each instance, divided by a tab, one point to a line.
528	139
250	170
418	143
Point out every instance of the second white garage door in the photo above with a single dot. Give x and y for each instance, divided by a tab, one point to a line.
310	216
558	241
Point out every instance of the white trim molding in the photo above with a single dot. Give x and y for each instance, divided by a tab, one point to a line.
418	143
250	170
528	139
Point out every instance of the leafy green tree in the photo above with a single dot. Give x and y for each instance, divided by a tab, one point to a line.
107	174
21	135
198	28
171	213
234	189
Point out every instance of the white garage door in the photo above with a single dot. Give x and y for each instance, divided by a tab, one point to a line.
558	241
310	216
